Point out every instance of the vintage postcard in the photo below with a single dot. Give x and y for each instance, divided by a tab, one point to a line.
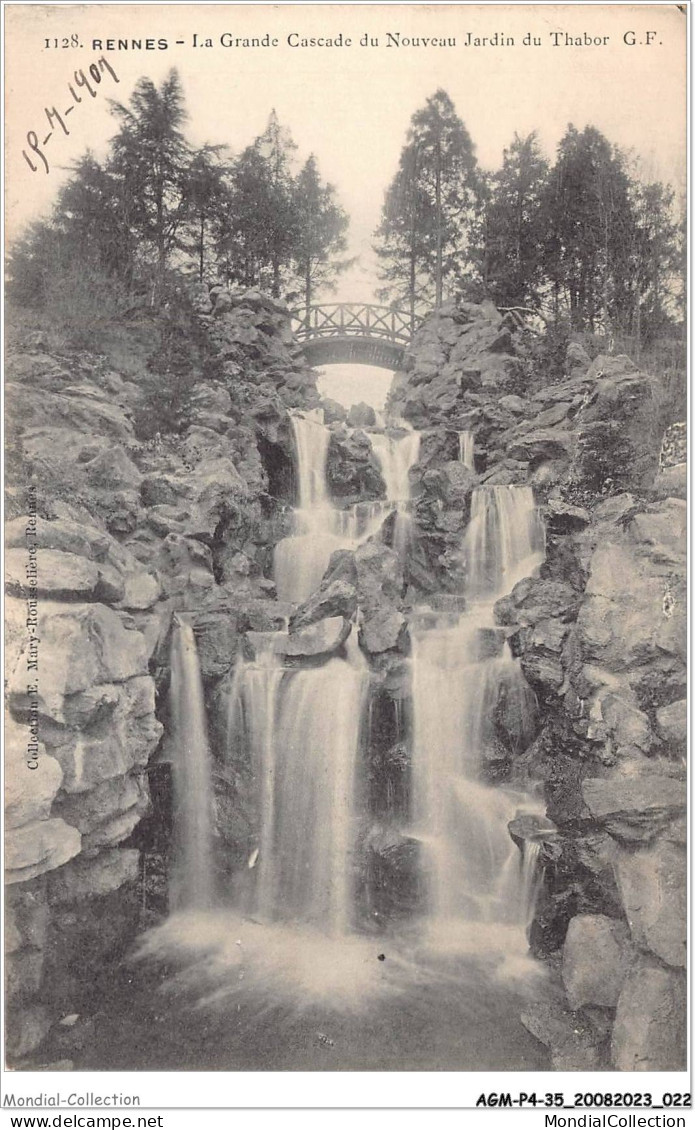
345	499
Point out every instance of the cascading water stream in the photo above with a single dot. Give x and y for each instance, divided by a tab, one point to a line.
473	870
396	455
301	559
504	542
319	528
192	884
303	728
466	450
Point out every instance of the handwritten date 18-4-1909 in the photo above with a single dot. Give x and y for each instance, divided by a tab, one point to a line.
87	83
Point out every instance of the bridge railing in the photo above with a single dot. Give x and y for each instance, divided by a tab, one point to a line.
352	319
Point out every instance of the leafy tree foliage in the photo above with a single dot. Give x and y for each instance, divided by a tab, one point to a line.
150	163
261	228
207	200
157	205
584	242
515	225
321	225
590	224
431	229
657	292
400	242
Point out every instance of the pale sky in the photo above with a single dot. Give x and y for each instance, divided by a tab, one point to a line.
351	105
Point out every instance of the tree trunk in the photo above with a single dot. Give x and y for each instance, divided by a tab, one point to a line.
161	243
201	266
307	297
411	280
438	288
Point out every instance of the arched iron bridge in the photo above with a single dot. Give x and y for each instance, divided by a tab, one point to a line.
354	333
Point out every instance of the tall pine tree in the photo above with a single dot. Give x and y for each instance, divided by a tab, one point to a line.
515	228
150	158
320	226
431	227
588	218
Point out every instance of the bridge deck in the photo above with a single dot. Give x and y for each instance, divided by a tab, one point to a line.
354	333
353	319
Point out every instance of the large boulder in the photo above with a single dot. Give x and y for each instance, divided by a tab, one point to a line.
77	561
322	638
38	847
119	738
96	645
453	483
542	445
634	809
90	878
535	599
33	778
649	1033
335	596
384	630
595	960
660	532
379	576
618	430
633	611
63	535
653	888
352	469
379	586
361	416
57	576
672	724
573	1041
333	411
112	469
108	813
671	482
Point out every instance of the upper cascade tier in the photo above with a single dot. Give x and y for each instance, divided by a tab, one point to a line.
319	528
504	541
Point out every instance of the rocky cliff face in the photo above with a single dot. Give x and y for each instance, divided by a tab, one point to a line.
123	532
108	536
601	635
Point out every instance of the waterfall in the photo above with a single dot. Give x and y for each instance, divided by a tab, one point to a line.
319	528
192	872
473	870
396	456
504	542
301	559
466	449
303	727
311	439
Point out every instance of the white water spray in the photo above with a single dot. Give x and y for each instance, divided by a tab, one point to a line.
319	527
192	885
466	450
473	870
303	728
